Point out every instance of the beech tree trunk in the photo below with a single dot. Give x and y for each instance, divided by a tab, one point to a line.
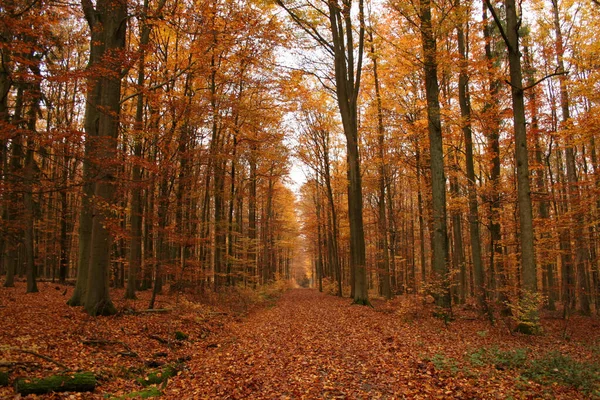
110	17
438	179
383	259
91	126
34	95
528	265
465	112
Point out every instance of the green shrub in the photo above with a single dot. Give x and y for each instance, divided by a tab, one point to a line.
444	363
557	368
510	359
526	315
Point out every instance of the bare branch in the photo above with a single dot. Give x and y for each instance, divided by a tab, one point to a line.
490	7
311	30
49	359
538	81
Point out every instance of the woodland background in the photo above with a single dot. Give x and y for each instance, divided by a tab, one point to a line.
145	143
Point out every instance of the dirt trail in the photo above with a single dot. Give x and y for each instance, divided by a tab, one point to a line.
315	346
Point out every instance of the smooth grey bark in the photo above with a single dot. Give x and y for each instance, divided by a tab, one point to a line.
333	220
458	253
543	206
137	208
319	260
5	87
110	17
421	215
347	85
12	212
526	234
473	217
497	276
383	258
34	94
252	200
436	151
90	125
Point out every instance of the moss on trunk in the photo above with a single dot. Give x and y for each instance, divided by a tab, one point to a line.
79	382
3	378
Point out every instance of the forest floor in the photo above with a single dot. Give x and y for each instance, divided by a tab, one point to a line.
303	345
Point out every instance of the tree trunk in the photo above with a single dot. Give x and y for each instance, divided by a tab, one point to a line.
34	95
137	208
465	112
333	248
319	261
438	180
383	259
111	15
526	238
91	126
347	85
540	182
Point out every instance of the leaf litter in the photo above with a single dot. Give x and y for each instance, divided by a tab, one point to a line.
307	345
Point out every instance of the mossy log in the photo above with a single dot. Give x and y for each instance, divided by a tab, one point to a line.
158	377
3	378
78	382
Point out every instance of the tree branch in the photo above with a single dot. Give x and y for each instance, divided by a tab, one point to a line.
538	81
158	85
49	359
89	12
498	23
308	28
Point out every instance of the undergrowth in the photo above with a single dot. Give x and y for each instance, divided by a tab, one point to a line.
549	369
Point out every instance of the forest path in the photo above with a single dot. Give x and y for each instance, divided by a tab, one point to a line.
311	345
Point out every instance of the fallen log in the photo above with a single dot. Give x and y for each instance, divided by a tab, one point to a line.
149	311
79	382
158	339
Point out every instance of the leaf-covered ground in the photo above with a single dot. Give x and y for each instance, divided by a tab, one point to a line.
306	345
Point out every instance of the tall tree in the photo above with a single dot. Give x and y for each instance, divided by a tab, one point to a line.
436	152
108	20
510	34
347	53
465	112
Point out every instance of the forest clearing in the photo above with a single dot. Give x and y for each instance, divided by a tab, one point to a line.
302	345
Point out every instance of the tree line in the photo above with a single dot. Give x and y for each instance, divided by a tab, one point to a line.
478	126
450	148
